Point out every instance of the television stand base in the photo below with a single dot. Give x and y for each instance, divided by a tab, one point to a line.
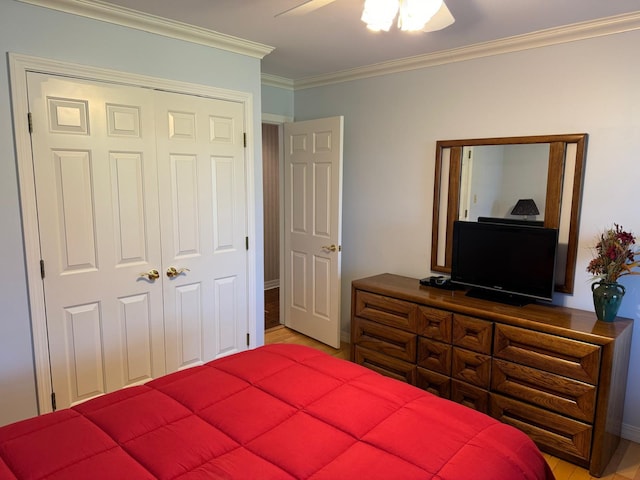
500	297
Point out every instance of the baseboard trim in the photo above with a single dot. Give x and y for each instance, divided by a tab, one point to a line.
630	432
271	284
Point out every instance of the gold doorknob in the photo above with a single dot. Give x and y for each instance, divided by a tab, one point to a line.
152	274
174	272
331	248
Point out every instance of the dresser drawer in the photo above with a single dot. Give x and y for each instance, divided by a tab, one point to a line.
389	366
560	394
388	340
434	323
471	367
472	333
556	434
470	396
434	355
433	382
389	311
563	356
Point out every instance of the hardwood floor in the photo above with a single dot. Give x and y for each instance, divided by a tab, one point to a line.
282	334
625	464
271	308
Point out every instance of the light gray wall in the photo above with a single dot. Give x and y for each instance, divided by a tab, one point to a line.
526	170
487	179
36	31
392	124
277	101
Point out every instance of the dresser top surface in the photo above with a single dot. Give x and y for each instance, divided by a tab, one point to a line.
545	317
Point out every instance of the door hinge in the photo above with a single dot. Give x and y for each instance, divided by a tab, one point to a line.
244	135
42	269
30	122
248	339
53	401
246	242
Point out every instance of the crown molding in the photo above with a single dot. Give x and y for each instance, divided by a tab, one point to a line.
98	10
276	81
543	38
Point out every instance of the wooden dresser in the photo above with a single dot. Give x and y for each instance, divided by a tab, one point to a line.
556	373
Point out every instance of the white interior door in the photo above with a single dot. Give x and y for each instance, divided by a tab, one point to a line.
203	220
95	175
312	227
131	182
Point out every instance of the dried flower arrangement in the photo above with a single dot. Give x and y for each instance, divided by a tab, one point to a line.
615	255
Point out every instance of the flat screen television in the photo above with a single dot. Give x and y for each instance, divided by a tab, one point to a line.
512	264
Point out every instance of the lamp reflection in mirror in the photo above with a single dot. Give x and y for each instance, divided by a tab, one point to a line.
414	14
525	207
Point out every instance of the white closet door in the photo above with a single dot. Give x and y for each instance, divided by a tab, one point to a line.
130	181
201	165
95	174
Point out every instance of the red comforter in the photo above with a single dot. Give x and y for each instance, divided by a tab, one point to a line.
276	412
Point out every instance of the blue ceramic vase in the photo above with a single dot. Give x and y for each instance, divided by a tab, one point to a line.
607	297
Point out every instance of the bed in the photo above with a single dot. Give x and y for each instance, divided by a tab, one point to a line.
274	412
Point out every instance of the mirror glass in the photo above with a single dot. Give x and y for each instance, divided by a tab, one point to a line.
494	177
487	177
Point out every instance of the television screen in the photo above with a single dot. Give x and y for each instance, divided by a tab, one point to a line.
509	263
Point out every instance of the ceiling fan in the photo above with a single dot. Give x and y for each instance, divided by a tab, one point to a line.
422	15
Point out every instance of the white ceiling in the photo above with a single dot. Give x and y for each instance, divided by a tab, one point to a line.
333	38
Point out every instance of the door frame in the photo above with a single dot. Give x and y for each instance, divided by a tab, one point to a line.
19	65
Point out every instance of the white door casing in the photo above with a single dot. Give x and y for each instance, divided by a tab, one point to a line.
312	227
106	190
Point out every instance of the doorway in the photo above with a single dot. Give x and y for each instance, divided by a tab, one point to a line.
271	212
309	169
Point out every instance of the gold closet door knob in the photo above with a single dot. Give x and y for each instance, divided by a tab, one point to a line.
331	248
151	274
174	272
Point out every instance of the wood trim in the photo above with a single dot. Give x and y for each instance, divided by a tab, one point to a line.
576	202
472	333
434	355
554	184
547	390
433	382
389	366
389	311
613	383
559	355
563	436
434	323
388	340
435	218
470	396
471	367
555	175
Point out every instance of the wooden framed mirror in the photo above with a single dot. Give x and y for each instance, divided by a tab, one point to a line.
485	177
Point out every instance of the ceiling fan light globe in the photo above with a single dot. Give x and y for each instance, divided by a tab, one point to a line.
379	14
414	14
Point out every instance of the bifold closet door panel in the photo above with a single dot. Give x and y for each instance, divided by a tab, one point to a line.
95	175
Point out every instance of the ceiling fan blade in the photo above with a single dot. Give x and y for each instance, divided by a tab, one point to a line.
440	20
304	7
